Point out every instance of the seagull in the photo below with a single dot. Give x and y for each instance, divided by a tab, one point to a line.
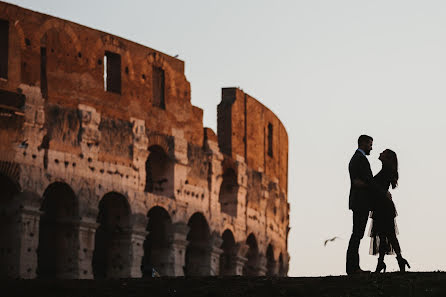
331	239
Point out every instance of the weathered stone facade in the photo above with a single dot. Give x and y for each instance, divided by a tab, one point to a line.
106	170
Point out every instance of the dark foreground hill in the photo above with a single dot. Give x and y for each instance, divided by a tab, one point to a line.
391	284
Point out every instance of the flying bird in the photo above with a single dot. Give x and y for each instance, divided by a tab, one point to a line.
331	239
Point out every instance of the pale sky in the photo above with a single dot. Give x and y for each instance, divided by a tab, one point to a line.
330	70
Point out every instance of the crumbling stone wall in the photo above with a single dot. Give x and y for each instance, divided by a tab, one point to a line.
106	169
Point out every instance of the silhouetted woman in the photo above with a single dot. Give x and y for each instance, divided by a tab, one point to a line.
383	229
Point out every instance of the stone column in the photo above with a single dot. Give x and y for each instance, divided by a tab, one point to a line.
177	252
238	258
87	230
238	262
211	257
283	271
215	158
273	269
140	152
181	160
261	266
33	127
89	135
242	181
28	233
136	241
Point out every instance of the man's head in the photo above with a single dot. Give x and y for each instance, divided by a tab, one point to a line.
365	143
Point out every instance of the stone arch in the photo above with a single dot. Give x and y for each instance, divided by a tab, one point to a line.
227	265
58	237
157	242
59	52
17	40
20	34
61	26
159	172
198	237
251	266
111	256
11	170
157	60
271	264
228	226
228	193
9	239
161	141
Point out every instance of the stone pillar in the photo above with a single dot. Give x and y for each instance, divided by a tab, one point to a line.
89	135
283	271
33	129
234	260
28	232
87	230
242	181
140	152
238	258
181	160
211	257
261	266
136	242
175	261
238	262
215	158
273	269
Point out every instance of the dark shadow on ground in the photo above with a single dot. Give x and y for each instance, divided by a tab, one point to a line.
427	284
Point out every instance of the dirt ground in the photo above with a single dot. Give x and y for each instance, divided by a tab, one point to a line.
390	284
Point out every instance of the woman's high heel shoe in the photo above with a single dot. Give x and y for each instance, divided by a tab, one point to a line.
380	266
402	263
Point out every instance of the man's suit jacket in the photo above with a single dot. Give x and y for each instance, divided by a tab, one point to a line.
361	198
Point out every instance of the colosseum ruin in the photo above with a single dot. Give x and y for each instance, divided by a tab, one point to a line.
106	170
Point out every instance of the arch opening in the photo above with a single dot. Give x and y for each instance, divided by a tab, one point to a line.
58	54
111	256
157	243
270	261
58	235
226	258
198	237
8	227
251	266
228	193
159	172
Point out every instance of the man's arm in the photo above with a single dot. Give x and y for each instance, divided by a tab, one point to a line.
361	176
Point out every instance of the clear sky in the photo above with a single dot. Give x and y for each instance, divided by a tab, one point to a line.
330	70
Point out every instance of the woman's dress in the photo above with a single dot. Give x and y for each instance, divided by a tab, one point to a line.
383	216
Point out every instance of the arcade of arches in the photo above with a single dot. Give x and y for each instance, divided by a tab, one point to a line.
62	244
106	169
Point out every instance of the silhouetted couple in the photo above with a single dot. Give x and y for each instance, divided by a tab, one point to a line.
369	195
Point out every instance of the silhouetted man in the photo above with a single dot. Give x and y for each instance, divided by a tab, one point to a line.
362	193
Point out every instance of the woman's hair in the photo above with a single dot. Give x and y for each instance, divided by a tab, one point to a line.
391	164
